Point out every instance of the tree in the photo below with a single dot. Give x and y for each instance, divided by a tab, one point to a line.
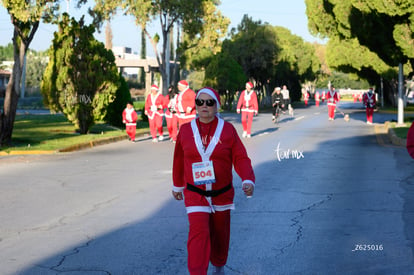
254	48
383	31
190	15
143	55
226	75
25	17
195	52
35	67
81	78
296	62
6	52
108	36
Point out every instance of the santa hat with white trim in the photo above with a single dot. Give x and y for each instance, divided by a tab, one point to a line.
183	83
211	92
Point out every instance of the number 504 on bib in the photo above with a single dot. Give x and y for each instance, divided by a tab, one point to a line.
203	172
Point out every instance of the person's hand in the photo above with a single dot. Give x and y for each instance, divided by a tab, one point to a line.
248	189
178	195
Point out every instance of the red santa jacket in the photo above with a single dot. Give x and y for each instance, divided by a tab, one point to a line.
225	150
332	97
369	100
169	105
154	105
317	96
248	102
185	103
129	117
410	141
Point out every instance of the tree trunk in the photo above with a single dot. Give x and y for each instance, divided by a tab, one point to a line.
11	97
22	36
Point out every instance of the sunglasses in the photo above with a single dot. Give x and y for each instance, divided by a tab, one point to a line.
209	102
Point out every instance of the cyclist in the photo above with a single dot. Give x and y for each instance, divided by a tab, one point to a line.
277	103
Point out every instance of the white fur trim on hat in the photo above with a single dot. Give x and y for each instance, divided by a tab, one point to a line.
211	93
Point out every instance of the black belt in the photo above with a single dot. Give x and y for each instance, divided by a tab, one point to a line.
211	193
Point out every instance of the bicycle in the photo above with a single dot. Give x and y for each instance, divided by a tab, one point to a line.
277	112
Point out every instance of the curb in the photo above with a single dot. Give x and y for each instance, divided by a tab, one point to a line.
22	152
68	149
393	137
91	144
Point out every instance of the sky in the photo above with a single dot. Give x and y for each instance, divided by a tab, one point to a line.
290	14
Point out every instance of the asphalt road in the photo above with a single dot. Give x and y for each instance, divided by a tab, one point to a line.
332	197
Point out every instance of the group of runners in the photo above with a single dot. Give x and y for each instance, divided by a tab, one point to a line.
179	108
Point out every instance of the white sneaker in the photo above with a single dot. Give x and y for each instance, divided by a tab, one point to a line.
161	138
249	136
154	140
244	134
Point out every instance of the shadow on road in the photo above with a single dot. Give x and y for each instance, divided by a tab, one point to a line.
306	217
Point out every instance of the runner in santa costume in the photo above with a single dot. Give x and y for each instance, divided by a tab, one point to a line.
332	98
369	102
204	156
170	102
323	96
154	105
306	97
185	103
355	96
129	118
248	107
317	98
410	141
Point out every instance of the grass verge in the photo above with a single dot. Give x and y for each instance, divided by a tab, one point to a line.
54	132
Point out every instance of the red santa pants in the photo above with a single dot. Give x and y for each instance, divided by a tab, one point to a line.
172	126
155	125
370	114
247	121
317	103
131	130
208	240
331	111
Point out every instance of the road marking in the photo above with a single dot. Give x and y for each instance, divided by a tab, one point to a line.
165	171
299	118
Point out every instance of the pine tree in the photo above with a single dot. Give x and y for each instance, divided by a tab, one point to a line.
81	78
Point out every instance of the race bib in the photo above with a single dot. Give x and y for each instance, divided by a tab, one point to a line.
153	108
203	173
